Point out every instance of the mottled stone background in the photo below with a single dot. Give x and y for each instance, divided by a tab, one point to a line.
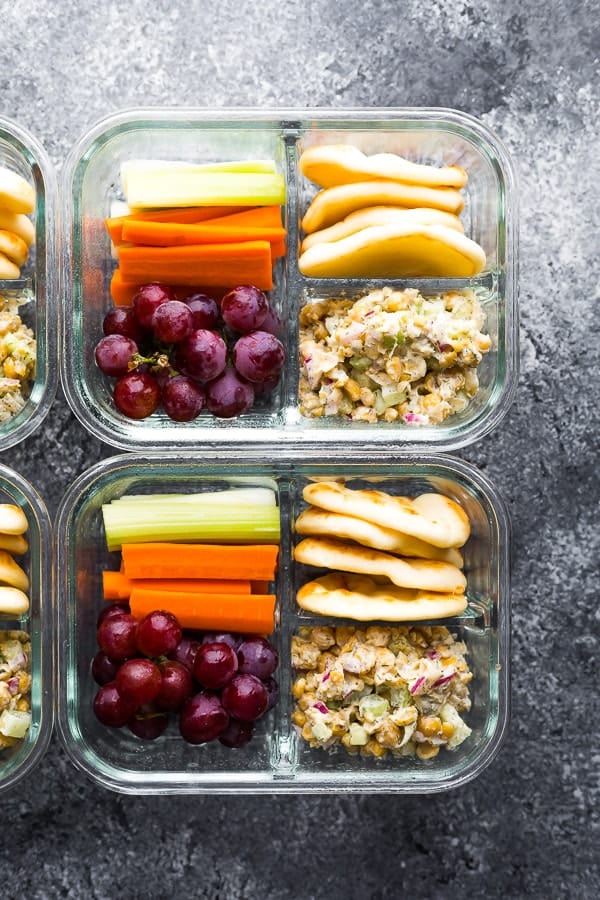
527	827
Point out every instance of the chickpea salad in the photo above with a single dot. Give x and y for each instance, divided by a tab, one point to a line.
384	689
17	359
391	356
15	687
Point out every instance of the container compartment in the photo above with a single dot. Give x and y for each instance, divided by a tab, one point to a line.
91	183
276	760
35	290
18	760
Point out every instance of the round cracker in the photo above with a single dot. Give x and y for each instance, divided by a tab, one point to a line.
331	205
13	247
358	597
16	194
12	519
18	224
332	164
13	602
441	522
14	543
8	270
316	521
11	572
399	250
419	574
380	215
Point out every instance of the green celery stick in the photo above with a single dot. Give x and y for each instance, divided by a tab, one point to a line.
179	188
156	168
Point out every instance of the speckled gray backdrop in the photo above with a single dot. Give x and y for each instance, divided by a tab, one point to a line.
527	827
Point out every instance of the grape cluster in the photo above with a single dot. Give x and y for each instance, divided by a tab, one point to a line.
217	684
191	354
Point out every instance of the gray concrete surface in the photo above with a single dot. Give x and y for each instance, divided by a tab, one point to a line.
528	826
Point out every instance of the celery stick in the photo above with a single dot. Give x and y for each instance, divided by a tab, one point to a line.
138	523
255	496
177	188
156	168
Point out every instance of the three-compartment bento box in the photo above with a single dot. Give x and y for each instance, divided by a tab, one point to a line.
425	728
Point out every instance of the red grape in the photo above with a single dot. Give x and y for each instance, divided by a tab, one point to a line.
147	300
237	734
110	708
259	356
123	320
117	637
172	322
176	685
245	698
202	355
229	395
202	718
244	308
224	637
183	399
257	657
148	723
136	395
158	633
185	652
104	669
205	310
139	681
215	665
110	610
114	353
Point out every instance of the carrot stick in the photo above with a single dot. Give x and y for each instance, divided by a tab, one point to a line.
263	216
115	224
117	586
172	234
210	264
252	614
172	560
278	248
122	292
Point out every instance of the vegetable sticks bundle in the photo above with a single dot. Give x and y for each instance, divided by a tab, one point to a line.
213	226
220	584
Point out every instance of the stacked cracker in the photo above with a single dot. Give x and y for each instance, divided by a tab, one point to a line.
17	201
382	216
13	579
391	558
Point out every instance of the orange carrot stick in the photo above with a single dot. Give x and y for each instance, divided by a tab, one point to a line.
209	264
117	586
173	234
265	216
115	224
122	292
248	614
278	248
172	560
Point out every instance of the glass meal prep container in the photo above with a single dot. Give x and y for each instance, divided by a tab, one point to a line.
91	187
31	297
38	624
277	760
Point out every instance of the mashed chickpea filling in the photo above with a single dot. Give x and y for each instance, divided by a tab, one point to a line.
17	359
380	690
391	356
15	687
